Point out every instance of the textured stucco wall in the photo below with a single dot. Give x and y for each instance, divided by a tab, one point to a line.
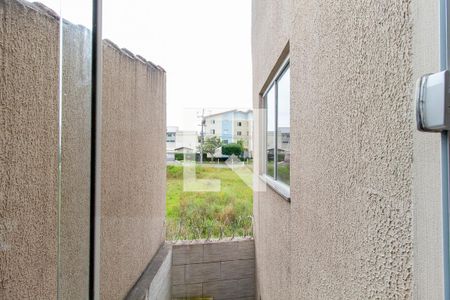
427	209
75	166
28	151
348	232
270	35
133	168
352	193
133	163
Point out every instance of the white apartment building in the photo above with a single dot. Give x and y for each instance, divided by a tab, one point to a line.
179	141
231	126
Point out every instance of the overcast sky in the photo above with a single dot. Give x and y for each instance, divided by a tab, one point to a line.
204	46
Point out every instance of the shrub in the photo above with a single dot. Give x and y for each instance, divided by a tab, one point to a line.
179	156
231	149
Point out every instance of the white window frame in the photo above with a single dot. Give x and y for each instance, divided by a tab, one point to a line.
281	188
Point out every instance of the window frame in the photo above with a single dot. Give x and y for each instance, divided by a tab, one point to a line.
281	188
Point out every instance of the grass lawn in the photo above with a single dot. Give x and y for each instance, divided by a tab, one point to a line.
283	170
200	215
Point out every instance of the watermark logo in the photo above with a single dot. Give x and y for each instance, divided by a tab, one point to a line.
218	132
193	184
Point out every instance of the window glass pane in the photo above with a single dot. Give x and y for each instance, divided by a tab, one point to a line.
76	100
270	137
284	128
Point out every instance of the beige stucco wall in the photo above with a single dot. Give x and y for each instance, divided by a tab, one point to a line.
270	35
133	157
75	166
28	152
351	230
133	168
427	207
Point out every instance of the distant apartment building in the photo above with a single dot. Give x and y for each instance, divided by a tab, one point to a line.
179	141
231	127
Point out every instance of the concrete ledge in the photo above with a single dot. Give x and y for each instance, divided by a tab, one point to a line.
203	251
155	282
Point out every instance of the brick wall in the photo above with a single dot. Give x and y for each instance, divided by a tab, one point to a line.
219	269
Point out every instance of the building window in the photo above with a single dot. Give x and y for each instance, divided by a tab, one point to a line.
239	124
213	121
170	137
225	142
213	131
277	128
285	138
239	133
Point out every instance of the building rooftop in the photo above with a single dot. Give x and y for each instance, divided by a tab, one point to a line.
229	111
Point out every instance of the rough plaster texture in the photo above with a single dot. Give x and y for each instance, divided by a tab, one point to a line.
270	35
271	230
133	159
28	151
427	209
75	166
133	168
222	269
348	232
352	196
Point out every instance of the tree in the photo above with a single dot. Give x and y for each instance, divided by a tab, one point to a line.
211	144
231	149
241	143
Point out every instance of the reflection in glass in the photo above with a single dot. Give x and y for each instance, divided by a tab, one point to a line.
283	128
75	152
270	137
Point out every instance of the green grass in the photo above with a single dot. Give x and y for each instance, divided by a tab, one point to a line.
283	171
201	215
